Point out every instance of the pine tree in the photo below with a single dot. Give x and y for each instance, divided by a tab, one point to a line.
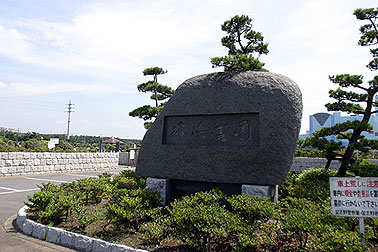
360	101
244	46
159	93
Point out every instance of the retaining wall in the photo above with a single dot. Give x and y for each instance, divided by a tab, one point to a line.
301	164
22	163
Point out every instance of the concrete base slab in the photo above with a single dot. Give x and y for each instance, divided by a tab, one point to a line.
270	191
171	189
160	185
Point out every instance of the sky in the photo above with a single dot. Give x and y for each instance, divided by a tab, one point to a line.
94	53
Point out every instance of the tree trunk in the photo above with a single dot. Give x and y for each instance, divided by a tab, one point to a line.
345	161
328	163
355	136
156	99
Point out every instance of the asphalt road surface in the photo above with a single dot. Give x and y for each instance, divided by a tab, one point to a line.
13	194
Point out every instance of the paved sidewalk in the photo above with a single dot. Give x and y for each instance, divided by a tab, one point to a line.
13	241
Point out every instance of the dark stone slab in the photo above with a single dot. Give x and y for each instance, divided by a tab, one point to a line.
180	188
239	128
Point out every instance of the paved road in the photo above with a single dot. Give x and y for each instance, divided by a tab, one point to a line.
13	194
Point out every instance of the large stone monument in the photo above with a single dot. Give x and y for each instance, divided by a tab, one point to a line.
234	130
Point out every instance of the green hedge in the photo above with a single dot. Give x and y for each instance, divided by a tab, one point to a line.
206	221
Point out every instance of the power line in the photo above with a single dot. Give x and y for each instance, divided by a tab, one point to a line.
70	109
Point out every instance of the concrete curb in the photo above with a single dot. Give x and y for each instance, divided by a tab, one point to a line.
65	238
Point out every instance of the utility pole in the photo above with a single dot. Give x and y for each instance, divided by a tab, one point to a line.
69	111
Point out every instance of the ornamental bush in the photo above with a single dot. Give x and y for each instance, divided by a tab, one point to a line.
51	204
93	189
131	208
312	184
204	221
128	180
329	238
299	220
254	210
364	168
286	189
156	231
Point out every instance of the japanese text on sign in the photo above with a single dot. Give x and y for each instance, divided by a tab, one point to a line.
212	130
354	197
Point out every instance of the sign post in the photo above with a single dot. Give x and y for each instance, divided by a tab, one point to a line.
362	228
354	197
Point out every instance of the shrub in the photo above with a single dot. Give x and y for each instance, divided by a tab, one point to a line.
202	221
298	220
64	146
330	238
125	183
373	222
83	216
42	203
207	221
312	184
58	208
313	153
255	210
157	230
260	215
364	168
131	208
128	180
94	189
286	189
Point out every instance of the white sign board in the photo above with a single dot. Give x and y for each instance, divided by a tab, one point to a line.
354	197
50	145
132	154
54	140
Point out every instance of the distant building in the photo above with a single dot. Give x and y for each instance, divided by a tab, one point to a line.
322	120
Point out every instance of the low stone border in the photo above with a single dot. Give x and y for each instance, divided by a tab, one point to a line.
67	239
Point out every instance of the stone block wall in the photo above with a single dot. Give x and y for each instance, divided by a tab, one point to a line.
22	163
301	164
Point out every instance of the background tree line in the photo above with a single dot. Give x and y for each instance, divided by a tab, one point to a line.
36	142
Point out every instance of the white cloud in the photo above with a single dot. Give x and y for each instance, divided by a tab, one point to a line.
13	44
26	89
108	44
317	40
117	37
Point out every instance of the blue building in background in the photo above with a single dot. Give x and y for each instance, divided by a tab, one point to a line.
322	120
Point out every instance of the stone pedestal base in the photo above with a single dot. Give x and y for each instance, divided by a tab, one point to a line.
172	189
270	191
160	185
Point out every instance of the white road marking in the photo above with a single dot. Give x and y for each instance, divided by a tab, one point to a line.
89	176
17	191
50	180
6	188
